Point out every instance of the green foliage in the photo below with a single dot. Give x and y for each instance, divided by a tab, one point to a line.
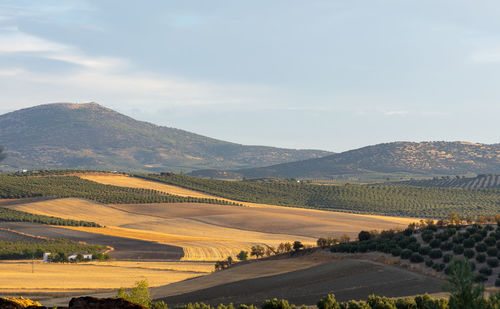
242	256
464	293
327	302
139	294
60	248
279	304
390	200
12	215
22	186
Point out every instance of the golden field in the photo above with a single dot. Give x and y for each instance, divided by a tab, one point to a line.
205	232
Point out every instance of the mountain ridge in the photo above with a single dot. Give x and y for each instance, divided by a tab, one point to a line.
91	136
438	157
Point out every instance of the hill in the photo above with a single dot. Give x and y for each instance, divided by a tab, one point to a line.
431	158
90	136
482	181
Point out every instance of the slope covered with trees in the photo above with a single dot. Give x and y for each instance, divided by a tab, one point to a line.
431	158
388	200
480	182
90	136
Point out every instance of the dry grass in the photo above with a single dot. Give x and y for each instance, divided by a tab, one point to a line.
17	275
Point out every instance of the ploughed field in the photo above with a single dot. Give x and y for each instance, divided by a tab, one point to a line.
346	278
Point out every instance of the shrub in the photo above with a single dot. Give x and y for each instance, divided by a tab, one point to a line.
242	256
458	249
469	243
414	246
446	246
485	270
406	253
408	232
447	258
416	258
364	235
477	237
481	258
435	254
497	282
424	250
481	247
492	251
327	302
492	262
427	236
429	263
490	241
480	278
396	252
469	253
139	294
435	243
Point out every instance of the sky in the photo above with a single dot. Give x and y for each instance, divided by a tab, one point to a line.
331	75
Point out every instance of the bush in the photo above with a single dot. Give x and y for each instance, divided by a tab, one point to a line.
446	246
242	256
435	243
458	249
424	250
492	251
396	252
436	254
416	258
447	258
469	253
414	246
327	302
481	247
469	243
481	258
480	278
485	270
490	241
406	253
497	282
477	237
139	294
492	262
364	235
429	263
427	236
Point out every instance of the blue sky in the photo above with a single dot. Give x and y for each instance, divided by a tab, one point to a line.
333	75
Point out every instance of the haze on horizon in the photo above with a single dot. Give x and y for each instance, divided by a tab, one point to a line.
332	75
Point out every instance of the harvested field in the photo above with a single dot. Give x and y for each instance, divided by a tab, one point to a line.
124	248
17	276
211	232
134	182
347	279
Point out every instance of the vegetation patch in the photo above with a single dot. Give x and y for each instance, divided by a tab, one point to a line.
11	215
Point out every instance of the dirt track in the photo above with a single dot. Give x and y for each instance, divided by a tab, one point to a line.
347	279
124	248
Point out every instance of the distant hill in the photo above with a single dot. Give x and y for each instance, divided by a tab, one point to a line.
482	181
447	158
90	136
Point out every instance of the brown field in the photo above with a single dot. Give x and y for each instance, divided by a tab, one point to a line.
301	282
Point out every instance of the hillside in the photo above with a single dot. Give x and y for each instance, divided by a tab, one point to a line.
480	182
448	158
90	136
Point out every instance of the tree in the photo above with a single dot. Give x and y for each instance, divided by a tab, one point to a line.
364	235
257	251
464	292
242	256
322	242
297	245
139	294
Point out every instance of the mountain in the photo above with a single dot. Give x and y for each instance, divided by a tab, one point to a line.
90	136
448	158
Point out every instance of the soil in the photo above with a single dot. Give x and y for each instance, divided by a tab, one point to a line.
347	279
